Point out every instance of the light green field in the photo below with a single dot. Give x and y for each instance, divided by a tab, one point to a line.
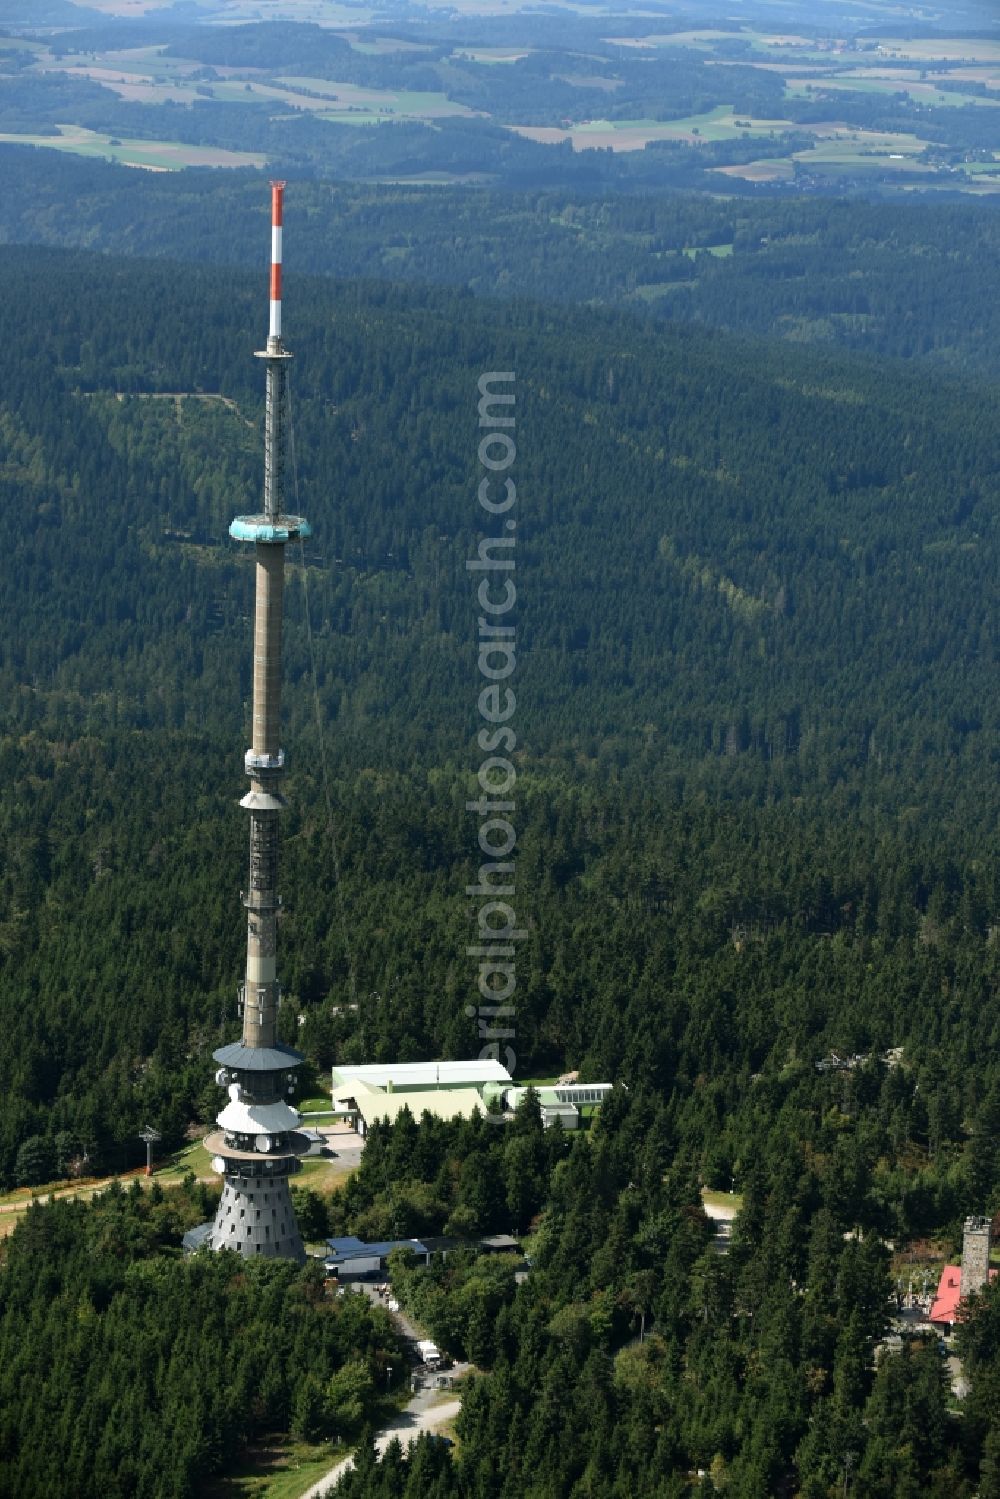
705	39
409	105
863	150
942	49
381	46
650	290
431	179
719	124
771	169
924	93
124	9
348	104
151	61
841	151
721	252
321	12
490	54
155	156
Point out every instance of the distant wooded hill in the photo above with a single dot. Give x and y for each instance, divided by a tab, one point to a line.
911	280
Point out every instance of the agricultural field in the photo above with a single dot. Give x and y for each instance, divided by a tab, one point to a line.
718	124
875	66
859	110
154	156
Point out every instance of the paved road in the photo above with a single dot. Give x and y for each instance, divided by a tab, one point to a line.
422	1413
418	1416
959	1383
346	1144
402	1321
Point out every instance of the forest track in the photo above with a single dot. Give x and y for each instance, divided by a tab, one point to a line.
415	1418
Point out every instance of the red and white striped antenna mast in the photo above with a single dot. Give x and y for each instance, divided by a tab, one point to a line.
277	215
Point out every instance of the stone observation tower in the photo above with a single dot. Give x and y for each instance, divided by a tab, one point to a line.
976	1245
257	1144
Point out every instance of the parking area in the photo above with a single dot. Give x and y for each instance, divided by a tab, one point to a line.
443	1375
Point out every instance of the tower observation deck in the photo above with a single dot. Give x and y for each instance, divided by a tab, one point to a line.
257	1143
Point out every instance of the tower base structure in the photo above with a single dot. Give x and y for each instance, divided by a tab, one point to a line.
256	1150
256	1217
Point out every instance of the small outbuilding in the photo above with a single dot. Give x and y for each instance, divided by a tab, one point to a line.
349	1257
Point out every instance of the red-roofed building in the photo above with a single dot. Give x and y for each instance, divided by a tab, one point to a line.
944	1309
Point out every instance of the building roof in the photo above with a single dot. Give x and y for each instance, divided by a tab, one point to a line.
243	1118
424	1074
499	1243
551	1095
258	1058
443	1103
196	1237
350	1248
944	1307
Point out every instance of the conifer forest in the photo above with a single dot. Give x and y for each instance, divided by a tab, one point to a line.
757	747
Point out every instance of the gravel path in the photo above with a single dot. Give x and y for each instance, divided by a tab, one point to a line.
420	1415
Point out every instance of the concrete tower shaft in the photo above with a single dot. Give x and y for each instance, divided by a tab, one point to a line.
265	759
266	744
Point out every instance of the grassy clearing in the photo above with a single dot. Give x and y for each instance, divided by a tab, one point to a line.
321	1174
713	1199
347	103
20	1199
381	46
315	1105
490	54
9	1221
702	39
14	1205
341	92
192	1158
277	1469
401	106
773	169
